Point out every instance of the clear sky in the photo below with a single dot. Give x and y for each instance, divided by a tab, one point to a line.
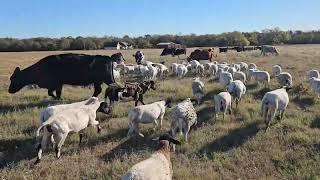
56	18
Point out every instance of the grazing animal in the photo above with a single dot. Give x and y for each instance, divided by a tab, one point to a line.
53	71
272	102
204	54
139	57
173	51
158	166
252	66
225	78
285	79
116	92
237	89
223	49
265	49
222	103
197	89
163	70
243	66
59	125
182	117
146	114
200	70
182	70
240	76
276	70
261	77
315	85
313	73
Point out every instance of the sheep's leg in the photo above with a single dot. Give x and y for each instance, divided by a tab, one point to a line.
80	138
97	89
223	115
42	146
173	134
60	140
281	114
186	131
155	125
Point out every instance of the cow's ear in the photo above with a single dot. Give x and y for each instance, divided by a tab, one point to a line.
17	70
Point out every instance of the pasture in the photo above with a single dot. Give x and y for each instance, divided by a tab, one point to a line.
237	147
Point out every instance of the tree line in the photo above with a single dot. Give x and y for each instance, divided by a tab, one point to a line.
268	36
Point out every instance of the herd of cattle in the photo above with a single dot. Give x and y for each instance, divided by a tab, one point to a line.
78	69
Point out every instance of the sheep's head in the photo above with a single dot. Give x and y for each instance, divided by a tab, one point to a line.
104	108
168	102
165	141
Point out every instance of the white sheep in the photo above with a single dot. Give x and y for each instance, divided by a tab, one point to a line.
240	76
225	78
313	73
252	66
158	166
151	73
59	125
250	73
315	85
232	70
182	117
285	79
276	70
272	102
214	69
197	89
194	64
243	66
237	89
261	77
163	70
145	114
222	103
182	70
200	70
174	67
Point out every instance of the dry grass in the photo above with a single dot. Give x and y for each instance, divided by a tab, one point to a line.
230	149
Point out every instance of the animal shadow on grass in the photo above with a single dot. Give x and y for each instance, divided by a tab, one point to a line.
304	102
234	139
210	95
259	94
16	150
134	144
204	115
316	122
251	85
21	107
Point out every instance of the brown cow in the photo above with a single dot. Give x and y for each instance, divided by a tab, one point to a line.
202	54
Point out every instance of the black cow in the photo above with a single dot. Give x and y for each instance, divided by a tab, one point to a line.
223	49
173	51
52	72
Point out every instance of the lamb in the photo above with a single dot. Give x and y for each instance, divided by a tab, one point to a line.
272	102
222	103
200	70
158	166
181	71
239	76
147	114
250	73
194	64
162	70
197	89
285	79
214	69
182	117
313	73
261	77
225	78
276	70
59	125
252	66
237	89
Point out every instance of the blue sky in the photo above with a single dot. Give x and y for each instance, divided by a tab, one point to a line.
56	18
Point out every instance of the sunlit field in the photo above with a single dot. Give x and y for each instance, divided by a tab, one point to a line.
237	147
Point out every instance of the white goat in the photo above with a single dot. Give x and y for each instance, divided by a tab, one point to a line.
145	114
59	125
237	89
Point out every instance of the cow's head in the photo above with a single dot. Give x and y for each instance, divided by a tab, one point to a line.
117	57
139	57
17	81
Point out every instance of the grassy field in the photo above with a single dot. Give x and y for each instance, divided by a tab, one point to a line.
237	147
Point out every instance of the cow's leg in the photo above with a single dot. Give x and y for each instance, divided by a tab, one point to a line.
97	89
141	99
50	93
59	91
